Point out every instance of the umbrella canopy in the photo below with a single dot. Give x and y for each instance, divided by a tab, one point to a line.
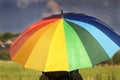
64	43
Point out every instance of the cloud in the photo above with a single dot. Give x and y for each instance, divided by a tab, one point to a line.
52	8
25	3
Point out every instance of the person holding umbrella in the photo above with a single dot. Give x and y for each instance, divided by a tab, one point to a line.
61	75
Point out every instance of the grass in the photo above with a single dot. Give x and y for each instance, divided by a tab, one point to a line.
13	71
108	72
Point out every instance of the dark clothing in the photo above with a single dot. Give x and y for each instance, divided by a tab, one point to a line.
61	75
75	75
57	75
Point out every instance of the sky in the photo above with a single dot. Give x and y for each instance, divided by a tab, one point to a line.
16	15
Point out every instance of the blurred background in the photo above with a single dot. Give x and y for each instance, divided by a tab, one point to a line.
16	15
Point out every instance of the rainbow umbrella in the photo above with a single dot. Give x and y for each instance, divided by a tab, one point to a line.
65	42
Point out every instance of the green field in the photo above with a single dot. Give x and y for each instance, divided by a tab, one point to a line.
101	73
12	71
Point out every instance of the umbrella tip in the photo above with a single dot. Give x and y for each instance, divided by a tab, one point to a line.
62	13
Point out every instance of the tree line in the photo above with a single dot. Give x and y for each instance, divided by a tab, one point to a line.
4	54
8	35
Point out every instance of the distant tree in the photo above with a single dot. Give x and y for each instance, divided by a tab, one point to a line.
110	61
15	35
116	58
4	55
1	36
9	35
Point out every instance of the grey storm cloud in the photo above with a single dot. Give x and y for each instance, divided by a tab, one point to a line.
17	14
51	5
53	8
27	3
